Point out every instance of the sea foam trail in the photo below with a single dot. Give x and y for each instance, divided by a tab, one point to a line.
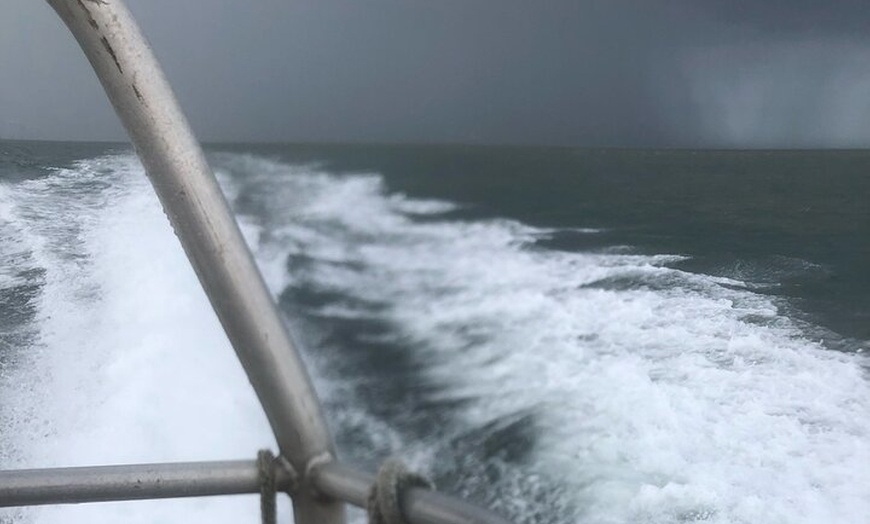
647	394
130	363
656	395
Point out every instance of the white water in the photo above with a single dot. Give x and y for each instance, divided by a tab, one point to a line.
658	403
131	364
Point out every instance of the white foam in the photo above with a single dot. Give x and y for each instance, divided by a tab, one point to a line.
13	252
658	403
133	365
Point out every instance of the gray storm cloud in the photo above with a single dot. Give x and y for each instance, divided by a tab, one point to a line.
619	73
811	94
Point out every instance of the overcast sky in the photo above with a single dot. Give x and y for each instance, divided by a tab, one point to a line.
686	73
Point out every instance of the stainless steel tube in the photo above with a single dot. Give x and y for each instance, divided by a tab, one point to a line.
143	100
133	482
196	479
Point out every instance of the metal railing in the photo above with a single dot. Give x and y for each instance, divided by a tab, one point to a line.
203	222
199	479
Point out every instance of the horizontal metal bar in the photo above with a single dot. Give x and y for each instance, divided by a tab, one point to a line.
420	506
30	487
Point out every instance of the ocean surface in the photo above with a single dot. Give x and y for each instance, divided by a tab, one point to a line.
564	335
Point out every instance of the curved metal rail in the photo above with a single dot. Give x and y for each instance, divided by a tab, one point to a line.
202	220
195	205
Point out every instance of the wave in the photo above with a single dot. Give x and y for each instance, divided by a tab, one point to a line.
129	363
679	397
553	384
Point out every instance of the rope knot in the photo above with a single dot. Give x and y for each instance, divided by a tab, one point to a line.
266	474
384	503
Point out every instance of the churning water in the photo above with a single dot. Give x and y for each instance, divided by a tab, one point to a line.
623	337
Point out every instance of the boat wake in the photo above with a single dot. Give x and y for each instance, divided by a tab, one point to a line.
553	385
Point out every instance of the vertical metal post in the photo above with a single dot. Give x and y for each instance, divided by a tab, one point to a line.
143	100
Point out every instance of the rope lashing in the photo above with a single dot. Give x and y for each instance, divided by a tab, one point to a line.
266	473
385	498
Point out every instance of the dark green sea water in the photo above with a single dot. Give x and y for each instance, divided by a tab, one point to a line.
794	223
565	335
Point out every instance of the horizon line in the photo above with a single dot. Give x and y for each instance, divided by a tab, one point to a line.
446	144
